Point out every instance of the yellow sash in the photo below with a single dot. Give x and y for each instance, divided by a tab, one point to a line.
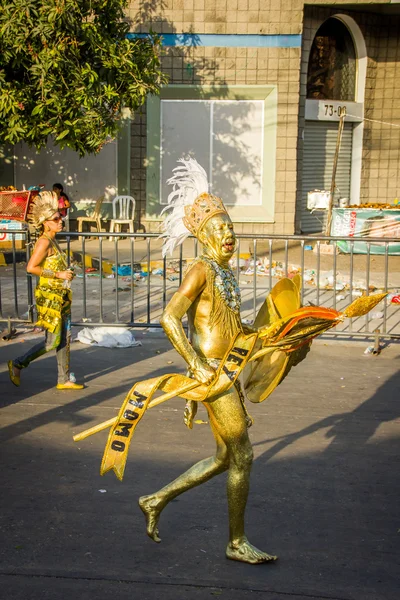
139	398
288	335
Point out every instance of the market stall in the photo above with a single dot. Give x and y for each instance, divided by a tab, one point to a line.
14	206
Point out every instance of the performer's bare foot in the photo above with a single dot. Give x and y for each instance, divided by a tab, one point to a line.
151	509
245	552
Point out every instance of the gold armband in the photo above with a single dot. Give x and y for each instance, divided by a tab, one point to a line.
172	325
49	274
178	305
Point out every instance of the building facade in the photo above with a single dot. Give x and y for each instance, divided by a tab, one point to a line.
256	91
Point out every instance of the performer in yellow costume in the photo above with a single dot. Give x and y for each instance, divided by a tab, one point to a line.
210	295
218	349
53	294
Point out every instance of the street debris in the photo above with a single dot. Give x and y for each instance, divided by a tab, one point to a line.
326	280
155	329
376	315
142	270
88	273
108	337
373	349
9	334
126	269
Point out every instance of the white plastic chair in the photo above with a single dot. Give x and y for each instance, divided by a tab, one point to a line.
124	207
94	218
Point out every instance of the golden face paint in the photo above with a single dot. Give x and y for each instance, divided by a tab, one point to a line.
218	238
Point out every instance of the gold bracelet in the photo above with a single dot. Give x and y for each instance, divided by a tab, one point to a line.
48	273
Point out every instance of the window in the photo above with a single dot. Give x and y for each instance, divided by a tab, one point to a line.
332	63
230	131
225	137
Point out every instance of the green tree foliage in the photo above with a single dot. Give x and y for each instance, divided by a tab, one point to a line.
67	70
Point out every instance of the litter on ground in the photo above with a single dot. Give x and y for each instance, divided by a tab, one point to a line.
108	337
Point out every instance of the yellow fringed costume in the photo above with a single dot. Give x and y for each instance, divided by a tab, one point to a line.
53	295
53	300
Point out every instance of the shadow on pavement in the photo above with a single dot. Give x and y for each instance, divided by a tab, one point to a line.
324	492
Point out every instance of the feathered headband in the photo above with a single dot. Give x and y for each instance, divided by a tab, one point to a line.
189	204
43	208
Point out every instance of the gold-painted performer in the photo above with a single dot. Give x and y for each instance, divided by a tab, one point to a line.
210	296
53	294
219	349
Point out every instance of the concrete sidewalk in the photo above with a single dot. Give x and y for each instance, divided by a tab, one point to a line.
324	493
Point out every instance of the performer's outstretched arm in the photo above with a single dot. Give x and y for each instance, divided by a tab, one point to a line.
171	321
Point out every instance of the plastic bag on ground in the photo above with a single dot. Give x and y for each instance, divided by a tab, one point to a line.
108	337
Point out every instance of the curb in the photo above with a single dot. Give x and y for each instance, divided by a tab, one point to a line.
6	258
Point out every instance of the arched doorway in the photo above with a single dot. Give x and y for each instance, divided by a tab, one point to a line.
332	63
333	88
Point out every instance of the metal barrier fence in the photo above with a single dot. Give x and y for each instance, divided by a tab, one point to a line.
123	280
16	290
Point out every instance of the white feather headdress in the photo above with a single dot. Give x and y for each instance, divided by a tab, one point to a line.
189	181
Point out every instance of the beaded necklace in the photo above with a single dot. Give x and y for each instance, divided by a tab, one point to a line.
225	284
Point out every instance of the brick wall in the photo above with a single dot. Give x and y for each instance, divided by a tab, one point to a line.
380	179
218	16
281	67
380	175
230	66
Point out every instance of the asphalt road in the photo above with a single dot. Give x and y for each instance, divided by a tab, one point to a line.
324	493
